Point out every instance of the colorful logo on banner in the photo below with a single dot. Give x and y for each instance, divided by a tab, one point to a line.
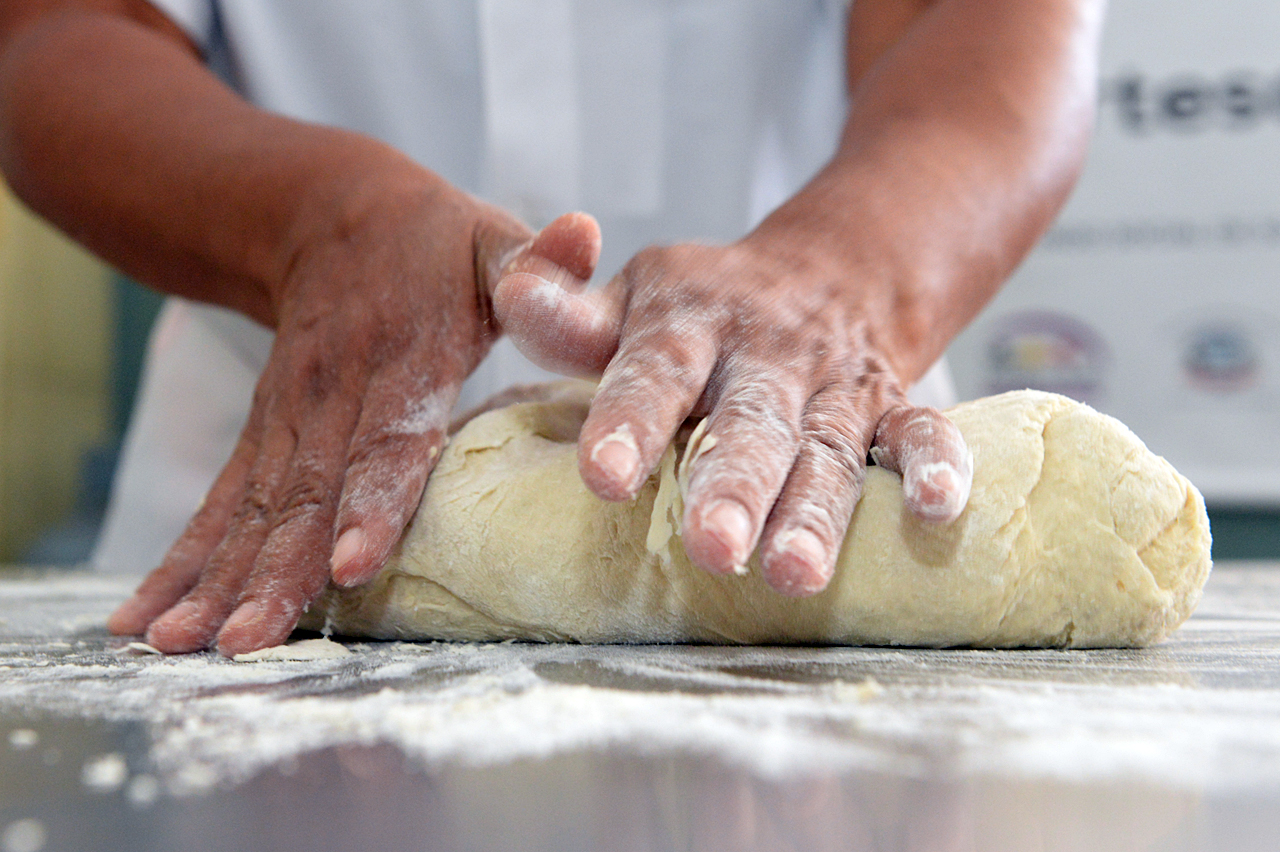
1220	358
1047	351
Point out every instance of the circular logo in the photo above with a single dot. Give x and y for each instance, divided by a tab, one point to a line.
1221	358
1046	351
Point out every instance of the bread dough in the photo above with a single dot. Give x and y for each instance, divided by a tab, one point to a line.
1075	535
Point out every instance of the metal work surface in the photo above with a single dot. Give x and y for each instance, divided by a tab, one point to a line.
452	746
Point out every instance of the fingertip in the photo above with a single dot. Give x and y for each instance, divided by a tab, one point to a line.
555	327
936	491
930	453
180	630
252	627
798	564
613	467
572	241
347	566
719	538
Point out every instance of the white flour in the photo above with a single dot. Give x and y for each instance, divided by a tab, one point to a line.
1158	716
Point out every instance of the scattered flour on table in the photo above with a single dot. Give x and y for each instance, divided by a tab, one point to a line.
212	723
323	648
22	739
24	835
106	773
143	791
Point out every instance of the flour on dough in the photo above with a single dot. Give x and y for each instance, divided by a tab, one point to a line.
1075	535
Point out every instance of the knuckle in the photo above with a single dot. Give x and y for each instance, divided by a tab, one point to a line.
388	341
255	504
370	447
647	260
303	496
872	379
765	412
833	480
835	435
661	366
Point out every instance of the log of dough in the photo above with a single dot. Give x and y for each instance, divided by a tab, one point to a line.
1075	535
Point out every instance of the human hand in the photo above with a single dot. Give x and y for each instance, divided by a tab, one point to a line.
382	316
789	356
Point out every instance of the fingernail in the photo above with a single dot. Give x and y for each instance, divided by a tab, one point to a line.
730	523
241	618
185	611
350	545
799	564
619	456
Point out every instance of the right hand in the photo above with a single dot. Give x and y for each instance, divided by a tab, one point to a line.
384	311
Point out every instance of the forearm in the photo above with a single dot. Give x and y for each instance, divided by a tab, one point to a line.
118	135
964	138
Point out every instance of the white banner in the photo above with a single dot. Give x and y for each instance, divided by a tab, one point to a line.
1156	296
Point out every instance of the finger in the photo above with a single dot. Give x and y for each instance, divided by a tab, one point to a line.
396	444
755	427
566	251
191	624
806	528
645	394
557	329
181	566
929	452
540	303
292	566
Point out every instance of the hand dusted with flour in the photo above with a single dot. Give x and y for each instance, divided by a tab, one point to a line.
966	129
348	418
1075	535
794	381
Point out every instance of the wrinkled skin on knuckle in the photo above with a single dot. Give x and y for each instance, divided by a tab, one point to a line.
684	284
305	493
254	508
835	426
840	436
382	445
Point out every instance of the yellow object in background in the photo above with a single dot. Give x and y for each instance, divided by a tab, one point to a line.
55	355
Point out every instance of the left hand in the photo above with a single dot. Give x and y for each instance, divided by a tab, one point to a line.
790	356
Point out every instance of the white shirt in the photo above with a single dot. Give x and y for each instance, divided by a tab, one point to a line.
668	120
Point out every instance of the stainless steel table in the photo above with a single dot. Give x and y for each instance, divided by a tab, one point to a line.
511	746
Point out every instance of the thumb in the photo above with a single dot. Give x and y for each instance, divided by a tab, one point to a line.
540	300
565	251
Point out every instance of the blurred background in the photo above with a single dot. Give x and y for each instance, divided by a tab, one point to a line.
72	337
1153	298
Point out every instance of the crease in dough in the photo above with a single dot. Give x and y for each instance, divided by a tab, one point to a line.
1024	541
1075	535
